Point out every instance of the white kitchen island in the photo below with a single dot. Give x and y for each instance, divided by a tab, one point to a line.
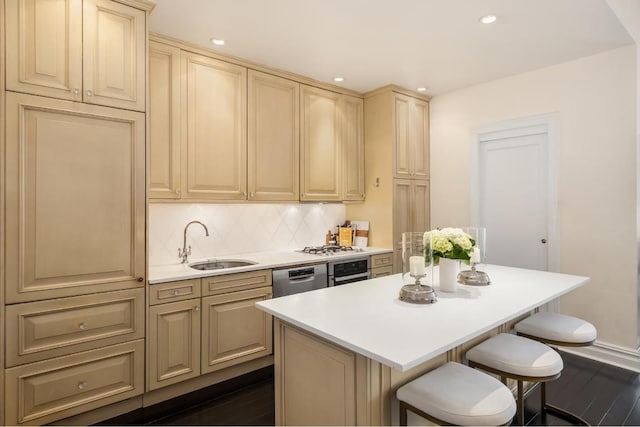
341	352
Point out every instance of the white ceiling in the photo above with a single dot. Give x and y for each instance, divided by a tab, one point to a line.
438	44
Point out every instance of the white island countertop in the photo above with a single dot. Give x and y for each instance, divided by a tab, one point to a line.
263	260
368	318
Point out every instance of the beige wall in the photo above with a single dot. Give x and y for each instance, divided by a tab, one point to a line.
595	101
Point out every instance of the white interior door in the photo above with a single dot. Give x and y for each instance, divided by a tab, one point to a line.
513	199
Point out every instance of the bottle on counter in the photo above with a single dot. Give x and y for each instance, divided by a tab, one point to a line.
327	238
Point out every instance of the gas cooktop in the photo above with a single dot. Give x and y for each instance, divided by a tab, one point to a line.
328	250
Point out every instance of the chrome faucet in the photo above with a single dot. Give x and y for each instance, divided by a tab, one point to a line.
186	251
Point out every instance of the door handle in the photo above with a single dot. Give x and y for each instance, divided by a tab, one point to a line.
543	241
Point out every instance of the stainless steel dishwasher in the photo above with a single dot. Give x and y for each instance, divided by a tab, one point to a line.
299	279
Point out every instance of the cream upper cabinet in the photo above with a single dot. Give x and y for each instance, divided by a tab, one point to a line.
164	121
353	148
81	50
214	131
273	138
320	144
411	127
75	205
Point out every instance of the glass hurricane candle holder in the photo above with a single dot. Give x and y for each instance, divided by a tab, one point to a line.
417	271
474	276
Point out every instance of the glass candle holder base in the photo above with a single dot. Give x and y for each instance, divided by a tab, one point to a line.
474	277
418	294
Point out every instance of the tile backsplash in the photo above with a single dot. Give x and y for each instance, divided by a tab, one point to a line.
238	228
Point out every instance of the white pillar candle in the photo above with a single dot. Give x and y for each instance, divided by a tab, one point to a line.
475	255
416	266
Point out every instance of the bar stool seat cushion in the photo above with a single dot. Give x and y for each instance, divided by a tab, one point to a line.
517	355
460	395
557	327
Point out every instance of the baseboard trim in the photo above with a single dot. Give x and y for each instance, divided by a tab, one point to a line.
609	354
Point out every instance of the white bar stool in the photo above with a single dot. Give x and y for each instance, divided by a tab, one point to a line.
519	358
455	394
561	330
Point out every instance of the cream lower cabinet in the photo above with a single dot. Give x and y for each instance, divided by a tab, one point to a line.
381	265
234	330
191	336
49	390
91	51
174	334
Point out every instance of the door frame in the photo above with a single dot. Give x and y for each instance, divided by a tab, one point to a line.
550	123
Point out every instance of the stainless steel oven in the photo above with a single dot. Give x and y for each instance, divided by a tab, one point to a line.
349	271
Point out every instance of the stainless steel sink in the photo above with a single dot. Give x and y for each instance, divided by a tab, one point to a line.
219	264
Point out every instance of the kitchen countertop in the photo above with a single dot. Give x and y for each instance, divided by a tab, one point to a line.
368	318
275	259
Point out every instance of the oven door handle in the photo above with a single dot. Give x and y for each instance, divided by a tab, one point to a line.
337	280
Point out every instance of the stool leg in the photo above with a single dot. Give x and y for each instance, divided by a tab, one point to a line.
403	414
543	396
520	402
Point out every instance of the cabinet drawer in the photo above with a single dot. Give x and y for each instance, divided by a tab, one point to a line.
235	282
46	391
174	291
46	329
381	260
381	271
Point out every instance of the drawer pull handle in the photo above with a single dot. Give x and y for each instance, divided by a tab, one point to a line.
176	292
82	385
83	326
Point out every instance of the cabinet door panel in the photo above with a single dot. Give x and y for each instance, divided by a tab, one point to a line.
44	47
402	199
114	40
174	337
273	138
402	126
234	330
321	145
353	142
420	206
46	329
214	129
420	138
43	392
164	121
75	198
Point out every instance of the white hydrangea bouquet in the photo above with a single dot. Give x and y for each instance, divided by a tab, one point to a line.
451	243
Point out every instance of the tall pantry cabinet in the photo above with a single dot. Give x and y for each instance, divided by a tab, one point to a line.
74	206
397	172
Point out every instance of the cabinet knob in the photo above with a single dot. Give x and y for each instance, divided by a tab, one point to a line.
196	308
140	279
88	93
244	193
252	194
82	385
176	292
83	326
177	191
75	91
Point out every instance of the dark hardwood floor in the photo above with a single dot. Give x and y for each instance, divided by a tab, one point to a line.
600	393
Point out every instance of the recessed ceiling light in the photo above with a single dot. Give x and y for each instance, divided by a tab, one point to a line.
217	42
421	89
488	19
338	79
